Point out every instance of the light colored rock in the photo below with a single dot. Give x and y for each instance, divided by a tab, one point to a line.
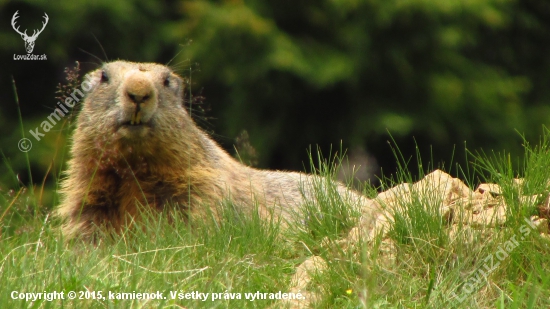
381	226
490	217
529	199
387	253
544	208
489	188
437	186
469	214
440	185
541	224
448	213
300	282
449	193
399	194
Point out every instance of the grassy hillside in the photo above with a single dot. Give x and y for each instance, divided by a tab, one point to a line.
208	263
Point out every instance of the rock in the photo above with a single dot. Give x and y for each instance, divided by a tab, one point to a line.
470	216
541	224
529	199
399	194
544	208
490	217
300	282
387	252
491	188
439	184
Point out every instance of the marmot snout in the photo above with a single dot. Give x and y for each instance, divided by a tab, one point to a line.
140	98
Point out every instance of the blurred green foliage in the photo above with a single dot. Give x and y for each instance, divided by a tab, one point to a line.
303	72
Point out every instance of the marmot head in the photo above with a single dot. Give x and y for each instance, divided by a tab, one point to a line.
133	107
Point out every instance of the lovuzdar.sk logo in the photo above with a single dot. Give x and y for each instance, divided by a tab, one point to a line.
29	40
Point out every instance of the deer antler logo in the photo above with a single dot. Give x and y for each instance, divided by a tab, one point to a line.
29	40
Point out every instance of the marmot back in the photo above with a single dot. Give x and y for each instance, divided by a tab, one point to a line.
135	145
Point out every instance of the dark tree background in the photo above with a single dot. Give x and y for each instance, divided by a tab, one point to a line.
297	73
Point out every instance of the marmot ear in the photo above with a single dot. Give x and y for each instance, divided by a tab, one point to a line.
104	77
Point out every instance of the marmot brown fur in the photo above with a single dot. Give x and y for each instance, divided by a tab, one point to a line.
135	144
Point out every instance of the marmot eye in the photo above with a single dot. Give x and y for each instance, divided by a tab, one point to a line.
167	81
104	77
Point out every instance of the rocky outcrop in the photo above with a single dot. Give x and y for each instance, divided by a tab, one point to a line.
464	211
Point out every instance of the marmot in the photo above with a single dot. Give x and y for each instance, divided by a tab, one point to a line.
135	144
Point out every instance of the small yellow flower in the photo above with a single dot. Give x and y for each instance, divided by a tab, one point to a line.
349	291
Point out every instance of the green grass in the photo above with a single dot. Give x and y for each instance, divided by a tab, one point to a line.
240	253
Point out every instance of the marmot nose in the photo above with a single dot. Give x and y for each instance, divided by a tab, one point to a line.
139	88
136	98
